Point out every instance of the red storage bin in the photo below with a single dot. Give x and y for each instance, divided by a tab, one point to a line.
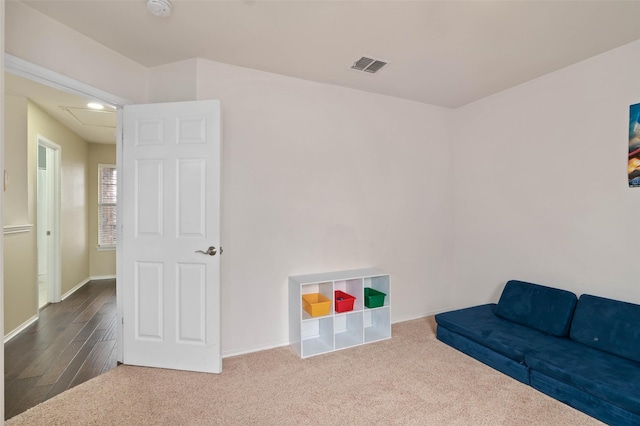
343	301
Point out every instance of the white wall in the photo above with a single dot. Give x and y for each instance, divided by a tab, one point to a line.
315	177
36	38
173	82
541	184
320	178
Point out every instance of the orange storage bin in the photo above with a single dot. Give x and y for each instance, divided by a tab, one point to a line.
316	304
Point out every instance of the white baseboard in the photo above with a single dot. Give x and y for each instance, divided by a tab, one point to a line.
248	351
103	277
20	328
79	286
227	354
415	317
33	319
74	289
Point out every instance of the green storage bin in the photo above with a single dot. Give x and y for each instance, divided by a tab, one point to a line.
373	298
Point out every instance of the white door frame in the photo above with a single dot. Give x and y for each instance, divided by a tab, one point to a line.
42	75
54	266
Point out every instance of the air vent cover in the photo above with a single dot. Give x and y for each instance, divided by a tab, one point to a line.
369	65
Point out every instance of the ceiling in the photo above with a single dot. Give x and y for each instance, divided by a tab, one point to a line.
446	53
71	110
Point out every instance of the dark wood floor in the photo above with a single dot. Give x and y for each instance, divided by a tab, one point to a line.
72	341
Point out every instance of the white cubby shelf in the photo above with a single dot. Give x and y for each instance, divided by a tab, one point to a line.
311	336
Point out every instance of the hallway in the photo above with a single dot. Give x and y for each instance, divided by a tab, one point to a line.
73	341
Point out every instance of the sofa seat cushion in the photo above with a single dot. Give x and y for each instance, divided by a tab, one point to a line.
603	375
609	325
544	308
481	325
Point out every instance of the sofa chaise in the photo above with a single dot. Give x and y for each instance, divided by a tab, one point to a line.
584	352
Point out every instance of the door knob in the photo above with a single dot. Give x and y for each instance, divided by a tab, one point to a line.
211	251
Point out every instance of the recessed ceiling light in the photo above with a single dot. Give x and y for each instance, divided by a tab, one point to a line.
95	105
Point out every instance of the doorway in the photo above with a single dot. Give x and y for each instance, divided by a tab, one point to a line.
80	333
196	129
65	89
48	222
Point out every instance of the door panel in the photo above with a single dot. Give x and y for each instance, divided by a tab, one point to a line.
191	298
149	200
149	298
171	215
191	183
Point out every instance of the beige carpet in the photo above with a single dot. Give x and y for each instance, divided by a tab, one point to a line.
412	379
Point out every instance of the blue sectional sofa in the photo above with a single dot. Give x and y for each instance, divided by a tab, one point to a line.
584	352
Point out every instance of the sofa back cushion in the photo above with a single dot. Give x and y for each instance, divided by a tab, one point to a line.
542	308
608	325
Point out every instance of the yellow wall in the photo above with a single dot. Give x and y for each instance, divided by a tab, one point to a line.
20	261
24	121
20	279
15	134
102	263
2	163
74	175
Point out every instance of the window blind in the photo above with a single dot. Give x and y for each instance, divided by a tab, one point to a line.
107	195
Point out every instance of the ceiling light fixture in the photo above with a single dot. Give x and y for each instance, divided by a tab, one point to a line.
161	8
95	105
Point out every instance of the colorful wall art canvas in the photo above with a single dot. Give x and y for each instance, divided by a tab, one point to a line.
633	168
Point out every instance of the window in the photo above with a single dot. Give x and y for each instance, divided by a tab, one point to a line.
106	205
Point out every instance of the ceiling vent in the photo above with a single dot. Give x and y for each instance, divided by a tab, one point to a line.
369	65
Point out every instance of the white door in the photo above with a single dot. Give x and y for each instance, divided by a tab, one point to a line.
48	221
171	216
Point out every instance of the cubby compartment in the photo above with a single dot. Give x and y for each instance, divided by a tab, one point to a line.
315	304
380	284
314	332
348	330
377	324
352	287
373	298
318	298
317	336
343	301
